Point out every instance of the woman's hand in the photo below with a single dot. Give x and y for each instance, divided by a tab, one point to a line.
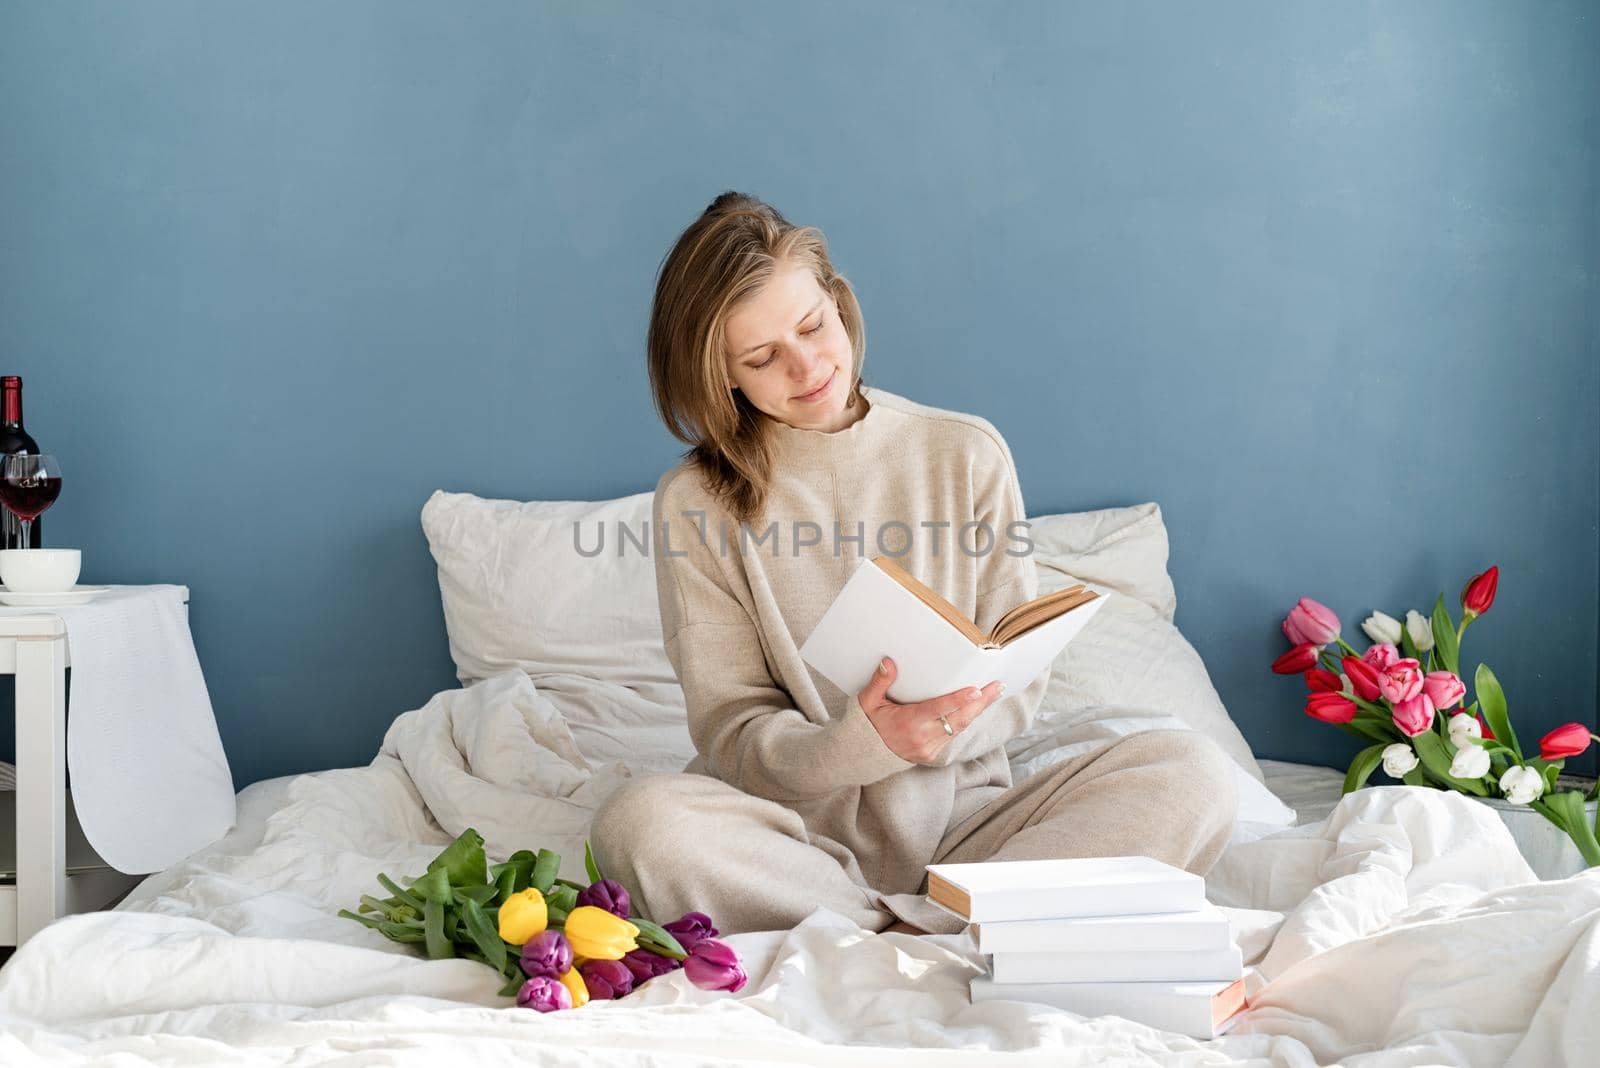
915	732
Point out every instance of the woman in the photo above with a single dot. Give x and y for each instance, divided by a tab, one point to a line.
802	795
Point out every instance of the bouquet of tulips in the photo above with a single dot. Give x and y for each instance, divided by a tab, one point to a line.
558	943
1405	694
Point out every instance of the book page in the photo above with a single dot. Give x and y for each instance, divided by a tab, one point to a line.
875	616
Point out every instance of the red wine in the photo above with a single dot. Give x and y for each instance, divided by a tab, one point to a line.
13	438
31	498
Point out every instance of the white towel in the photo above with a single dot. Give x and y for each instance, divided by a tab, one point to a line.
150	780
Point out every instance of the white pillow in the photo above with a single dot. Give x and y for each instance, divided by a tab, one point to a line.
1130	661
1130	669
517	593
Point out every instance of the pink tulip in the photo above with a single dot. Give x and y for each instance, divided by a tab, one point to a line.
1318	679
1300	658
1330	707
1414	715
714	965
1381	655
1443	688
1569	739
1311	622
1401	680
1363	677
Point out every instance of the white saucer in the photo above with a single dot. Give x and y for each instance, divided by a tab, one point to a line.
76	595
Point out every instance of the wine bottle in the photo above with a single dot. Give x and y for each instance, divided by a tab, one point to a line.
13	439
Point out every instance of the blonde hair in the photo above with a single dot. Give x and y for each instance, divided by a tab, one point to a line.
724	257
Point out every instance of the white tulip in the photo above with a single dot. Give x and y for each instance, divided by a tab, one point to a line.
1420	629
1398	759
1471	762
1382	628
1464	725
1344	685
1521	785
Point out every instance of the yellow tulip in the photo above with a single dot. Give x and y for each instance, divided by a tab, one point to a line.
523	915
599	935
575	986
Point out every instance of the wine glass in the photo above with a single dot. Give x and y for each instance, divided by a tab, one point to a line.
29	483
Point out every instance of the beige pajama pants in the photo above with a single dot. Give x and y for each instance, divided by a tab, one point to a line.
685	842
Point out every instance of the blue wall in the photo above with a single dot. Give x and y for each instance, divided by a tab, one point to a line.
1319	278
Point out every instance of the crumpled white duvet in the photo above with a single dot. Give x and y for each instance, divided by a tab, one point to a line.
1403	929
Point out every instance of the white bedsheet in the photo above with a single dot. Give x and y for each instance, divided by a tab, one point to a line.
1402	929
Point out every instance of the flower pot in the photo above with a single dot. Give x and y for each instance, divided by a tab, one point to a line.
1549	850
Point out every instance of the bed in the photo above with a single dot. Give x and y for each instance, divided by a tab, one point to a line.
1394	925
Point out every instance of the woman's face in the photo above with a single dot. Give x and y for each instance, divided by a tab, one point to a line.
789	353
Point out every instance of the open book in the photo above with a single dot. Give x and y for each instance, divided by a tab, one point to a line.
884	610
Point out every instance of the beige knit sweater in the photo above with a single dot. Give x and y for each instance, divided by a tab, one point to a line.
738	602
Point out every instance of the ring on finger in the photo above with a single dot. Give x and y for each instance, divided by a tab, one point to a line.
947	728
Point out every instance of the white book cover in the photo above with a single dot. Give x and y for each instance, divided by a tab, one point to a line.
1202	928
874	616
1122	966
1200	1010
1073	886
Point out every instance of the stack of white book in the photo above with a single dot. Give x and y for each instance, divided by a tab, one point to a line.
1123	936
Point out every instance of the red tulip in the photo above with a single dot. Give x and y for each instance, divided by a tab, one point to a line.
1330	707
1487	733
1363	677
1318	679
1569	739
1302	657
1478	594
1309	621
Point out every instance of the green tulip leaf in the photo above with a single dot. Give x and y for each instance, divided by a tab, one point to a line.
405	896
1413	777
505	883
1408	648
434	886
545	869
439	946
523	863
588	863
1362	767
1445	645
478	895
483	933
1568	808
659	938
1493	699
402	932
463	860
1436	757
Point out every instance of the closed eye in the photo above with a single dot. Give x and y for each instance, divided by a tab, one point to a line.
803	333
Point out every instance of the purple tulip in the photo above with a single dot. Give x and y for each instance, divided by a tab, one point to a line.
713	965
606	978
545	993
645	964
690	928
546	953
607	894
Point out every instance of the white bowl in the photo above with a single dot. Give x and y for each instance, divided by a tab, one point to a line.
40	570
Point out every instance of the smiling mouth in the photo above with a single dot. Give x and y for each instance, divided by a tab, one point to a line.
811	395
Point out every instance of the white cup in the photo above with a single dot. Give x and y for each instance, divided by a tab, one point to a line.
40	570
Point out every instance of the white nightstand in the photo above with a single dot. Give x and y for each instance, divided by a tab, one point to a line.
54	874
